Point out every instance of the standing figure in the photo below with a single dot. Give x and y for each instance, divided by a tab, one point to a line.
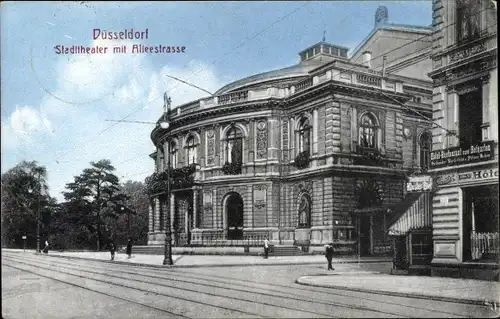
112	249
129	248
46	249
266	247
329	256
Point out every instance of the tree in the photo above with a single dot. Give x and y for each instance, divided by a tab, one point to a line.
24	194
137	218
94	192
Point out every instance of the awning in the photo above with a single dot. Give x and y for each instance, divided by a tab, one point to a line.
413	212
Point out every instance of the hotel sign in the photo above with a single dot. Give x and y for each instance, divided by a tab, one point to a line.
419	184
479	175
458	155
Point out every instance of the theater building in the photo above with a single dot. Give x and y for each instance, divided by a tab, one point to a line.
464	157
310	154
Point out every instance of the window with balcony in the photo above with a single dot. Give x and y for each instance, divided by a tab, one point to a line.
470	116
173	154
234	145
368	131
468	23
304	134
425	144
191	150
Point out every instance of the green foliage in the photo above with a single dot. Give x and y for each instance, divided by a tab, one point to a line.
302	160
231	168
24	195
180	178
372	158
91	199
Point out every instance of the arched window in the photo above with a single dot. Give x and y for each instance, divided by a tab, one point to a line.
304	135
425	151
304	211
368	130
234	145
173	155
191	150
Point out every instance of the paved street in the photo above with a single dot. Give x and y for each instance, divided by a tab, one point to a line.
38	286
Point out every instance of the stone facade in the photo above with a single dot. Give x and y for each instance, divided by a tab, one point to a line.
464	63
299	184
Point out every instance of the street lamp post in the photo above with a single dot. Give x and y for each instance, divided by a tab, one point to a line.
168	234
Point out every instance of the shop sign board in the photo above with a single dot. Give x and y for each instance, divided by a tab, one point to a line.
458	155
419	183
484	174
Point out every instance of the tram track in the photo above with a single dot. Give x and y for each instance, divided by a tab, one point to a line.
163	311
351	300
201	307
281	301
271	291
218	300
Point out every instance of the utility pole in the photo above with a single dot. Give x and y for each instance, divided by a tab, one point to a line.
38	215
168	234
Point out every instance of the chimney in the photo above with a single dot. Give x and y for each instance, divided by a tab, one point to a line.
367	57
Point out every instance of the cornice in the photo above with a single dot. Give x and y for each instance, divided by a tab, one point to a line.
488	54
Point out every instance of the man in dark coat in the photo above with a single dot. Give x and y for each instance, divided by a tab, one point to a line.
129	248
112	249
329	256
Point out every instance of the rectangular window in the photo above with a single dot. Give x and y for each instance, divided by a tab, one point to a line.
468	23
480	224
470	116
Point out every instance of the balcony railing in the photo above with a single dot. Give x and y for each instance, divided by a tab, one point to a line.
336	73
484	245
233	97
219	239
368	80
304	85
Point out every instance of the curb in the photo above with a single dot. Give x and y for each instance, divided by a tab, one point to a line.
208	265
399	294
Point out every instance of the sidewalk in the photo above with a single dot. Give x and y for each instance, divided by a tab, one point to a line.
185	261
435	288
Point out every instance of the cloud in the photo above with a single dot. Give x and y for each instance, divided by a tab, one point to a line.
23	125
100	87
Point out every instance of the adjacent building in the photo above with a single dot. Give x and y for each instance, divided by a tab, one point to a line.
464	157
314	153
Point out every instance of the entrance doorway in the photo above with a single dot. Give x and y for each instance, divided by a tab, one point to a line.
234	211
364	235
401	253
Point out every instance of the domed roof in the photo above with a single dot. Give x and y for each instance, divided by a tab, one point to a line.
299	70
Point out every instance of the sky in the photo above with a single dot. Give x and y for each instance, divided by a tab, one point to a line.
57	109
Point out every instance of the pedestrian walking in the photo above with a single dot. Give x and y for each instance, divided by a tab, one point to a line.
46	249
129	248
266	247
112	249
329	256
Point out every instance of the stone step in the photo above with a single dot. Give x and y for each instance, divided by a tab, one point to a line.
275	251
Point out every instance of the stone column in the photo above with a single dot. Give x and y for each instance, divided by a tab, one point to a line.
195	209
486	106
293	146
151	218
315	131
157	215
215	210
186	221
224	217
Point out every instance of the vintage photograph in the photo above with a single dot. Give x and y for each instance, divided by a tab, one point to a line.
229	159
